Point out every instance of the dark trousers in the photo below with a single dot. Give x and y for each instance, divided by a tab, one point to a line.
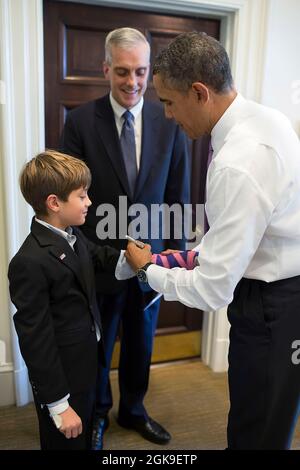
264	381
52	439
137	332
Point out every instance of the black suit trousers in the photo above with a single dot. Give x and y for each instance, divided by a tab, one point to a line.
264	380
137	328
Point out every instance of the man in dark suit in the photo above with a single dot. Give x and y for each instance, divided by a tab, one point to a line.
154	170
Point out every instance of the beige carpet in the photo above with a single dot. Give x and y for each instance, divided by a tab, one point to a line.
187	398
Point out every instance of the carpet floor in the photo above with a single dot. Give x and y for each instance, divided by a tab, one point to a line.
187	398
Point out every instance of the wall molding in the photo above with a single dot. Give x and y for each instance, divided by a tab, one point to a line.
214	7
7	367
22	117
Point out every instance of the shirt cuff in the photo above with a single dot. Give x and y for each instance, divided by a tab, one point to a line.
58	406
156	277
123	270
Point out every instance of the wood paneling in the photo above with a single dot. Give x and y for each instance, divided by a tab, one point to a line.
74	51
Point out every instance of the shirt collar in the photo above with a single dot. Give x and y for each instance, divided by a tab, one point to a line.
226	122
66	234
119	110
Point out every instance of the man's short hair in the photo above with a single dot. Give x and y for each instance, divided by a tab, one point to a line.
194	57
126	38
52	172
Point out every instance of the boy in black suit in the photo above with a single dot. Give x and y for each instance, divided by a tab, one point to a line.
52	286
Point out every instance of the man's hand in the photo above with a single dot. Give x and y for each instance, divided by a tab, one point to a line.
169	251
71	423
137	257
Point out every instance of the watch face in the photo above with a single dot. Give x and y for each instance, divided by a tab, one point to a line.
141	275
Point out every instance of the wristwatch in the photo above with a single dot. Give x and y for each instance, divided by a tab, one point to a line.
141	273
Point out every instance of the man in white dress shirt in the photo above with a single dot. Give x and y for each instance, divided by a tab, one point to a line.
250	257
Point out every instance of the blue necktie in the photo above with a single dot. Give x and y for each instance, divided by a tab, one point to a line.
127	141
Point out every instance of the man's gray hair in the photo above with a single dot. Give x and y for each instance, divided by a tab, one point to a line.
126	38
194	57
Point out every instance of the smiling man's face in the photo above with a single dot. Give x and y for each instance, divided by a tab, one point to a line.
128	73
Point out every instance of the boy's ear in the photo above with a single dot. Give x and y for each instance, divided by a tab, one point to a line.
52	203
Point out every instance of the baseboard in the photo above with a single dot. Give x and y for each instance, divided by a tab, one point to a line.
170	347
219	355
7	389
23	388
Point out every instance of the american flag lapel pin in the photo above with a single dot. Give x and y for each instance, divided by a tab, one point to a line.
62	256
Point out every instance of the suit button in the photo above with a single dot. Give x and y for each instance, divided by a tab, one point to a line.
93	328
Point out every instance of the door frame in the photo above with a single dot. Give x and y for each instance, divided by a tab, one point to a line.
243	31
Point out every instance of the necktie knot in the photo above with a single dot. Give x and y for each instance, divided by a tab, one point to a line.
128	118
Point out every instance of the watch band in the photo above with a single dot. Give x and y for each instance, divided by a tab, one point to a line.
144	268
141	273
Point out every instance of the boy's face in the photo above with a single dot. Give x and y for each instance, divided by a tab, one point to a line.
74	210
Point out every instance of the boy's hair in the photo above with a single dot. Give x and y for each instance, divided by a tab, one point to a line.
52	172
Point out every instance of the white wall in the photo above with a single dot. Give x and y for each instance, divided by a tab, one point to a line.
281	77
21	136
6	360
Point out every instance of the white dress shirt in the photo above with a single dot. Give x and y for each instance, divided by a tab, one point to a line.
136	111
253	209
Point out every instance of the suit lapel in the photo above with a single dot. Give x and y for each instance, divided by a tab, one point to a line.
87	270
65	255
61	250
107	131
149	137
85	263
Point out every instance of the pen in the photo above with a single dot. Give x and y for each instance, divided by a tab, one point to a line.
136	242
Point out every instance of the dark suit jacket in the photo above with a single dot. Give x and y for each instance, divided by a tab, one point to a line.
53	290
90	133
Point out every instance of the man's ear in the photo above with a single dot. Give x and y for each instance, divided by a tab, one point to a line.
106	70
201	91
52	203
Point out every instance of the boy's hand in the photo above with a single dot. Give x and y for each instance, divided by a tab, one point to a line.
71	423
137	257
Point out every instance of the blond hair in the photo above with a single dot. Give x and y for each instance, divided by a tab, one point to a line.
52	172
125	38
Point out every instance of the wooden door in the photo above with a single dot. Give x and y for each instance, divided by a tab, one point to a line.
74	36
